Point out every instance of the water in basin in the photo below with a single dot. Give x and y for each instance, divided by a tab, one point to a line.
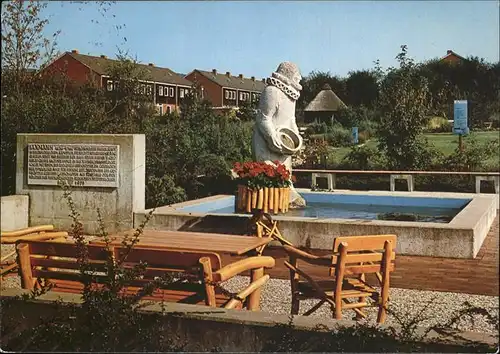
367	212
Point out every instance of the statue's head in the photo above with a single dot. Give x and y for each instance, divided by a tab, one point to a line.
289	73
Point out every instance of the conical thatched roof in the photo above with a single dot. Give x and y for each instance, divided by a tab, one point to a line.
325	101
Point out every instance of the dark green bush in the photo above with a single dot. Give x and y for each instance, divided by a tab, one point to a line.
339	137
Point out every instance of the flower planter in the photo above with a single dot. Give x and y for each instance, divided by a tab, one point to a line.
269	200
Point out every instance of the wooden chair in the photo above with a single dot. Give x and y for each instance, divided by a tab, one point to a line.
203	268
353	257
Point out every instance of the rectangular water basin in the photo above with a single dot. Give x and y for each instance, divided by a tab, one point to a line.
342	206
448	224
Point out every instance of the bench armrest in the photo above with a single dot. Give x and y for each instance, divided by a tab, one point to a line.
242	295
243	265
28	230
307	257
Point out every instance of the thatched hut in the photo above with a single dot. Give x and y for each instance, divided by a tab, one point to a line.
324	106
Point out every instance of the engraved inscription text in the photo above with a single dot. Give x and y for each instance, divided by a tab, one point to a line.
87	165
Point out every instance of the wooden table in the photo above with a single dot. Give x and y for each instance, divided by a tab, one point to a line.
198	241
194	241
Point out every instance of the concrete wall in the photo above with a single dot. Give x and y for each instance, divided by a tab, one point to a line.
117	204
15	210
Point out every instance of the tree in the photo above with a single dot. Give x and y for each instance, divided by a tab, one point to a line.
403	104
247	111
361	88
24	47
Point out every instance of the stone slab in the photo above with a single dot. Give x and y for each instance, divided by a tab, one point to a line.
14	212
116	200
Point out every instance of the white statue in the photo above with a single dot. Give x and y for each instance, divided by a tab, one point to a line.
275	134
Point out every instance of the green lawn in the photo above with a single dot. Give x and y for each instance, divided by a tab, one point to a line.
445	142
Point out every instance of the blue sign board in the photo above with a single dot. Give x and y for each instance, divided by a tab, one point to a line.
460	117
355	139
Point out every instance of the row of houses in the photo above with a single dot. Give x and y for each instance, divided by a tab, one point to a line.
167	88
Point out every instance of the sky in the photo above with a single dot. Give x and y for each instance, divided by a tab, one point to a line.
253	37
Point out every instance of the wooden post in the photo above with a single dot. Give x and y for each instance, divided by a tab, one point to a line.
288	191
254	199
248	200
294	280
276	200
254	298
23	253
339	279
259	230
384	291
207	280
260	200
361	298
271	199
266	200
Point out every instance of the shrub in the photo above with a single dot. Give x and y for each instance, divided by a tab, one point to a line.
317	128
339	137
363	137
438	125
473	157
362	158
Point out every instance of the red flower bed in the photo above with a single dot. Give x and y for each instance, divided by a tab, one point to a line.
260	174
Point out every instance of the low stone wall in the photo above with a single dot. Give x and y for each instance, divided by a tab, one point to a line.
203	328
14	210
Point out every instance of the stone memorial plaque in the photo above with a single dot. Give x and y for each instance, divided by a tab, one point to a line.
83	165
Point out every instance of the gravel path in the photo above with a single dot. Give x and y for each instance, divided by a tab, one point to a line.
435	307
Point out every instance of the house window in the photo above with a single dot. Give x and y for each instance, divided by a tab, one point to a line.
226	94
160	90
149	89
110	85
181	93
143	89
169	109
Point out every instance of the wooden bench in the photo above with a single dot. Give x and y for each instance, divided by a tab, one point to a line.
406	175
56	262
40	232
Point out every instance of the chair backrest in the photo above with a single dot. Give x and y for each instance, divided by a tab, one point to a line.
366	254
56	260
364	243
